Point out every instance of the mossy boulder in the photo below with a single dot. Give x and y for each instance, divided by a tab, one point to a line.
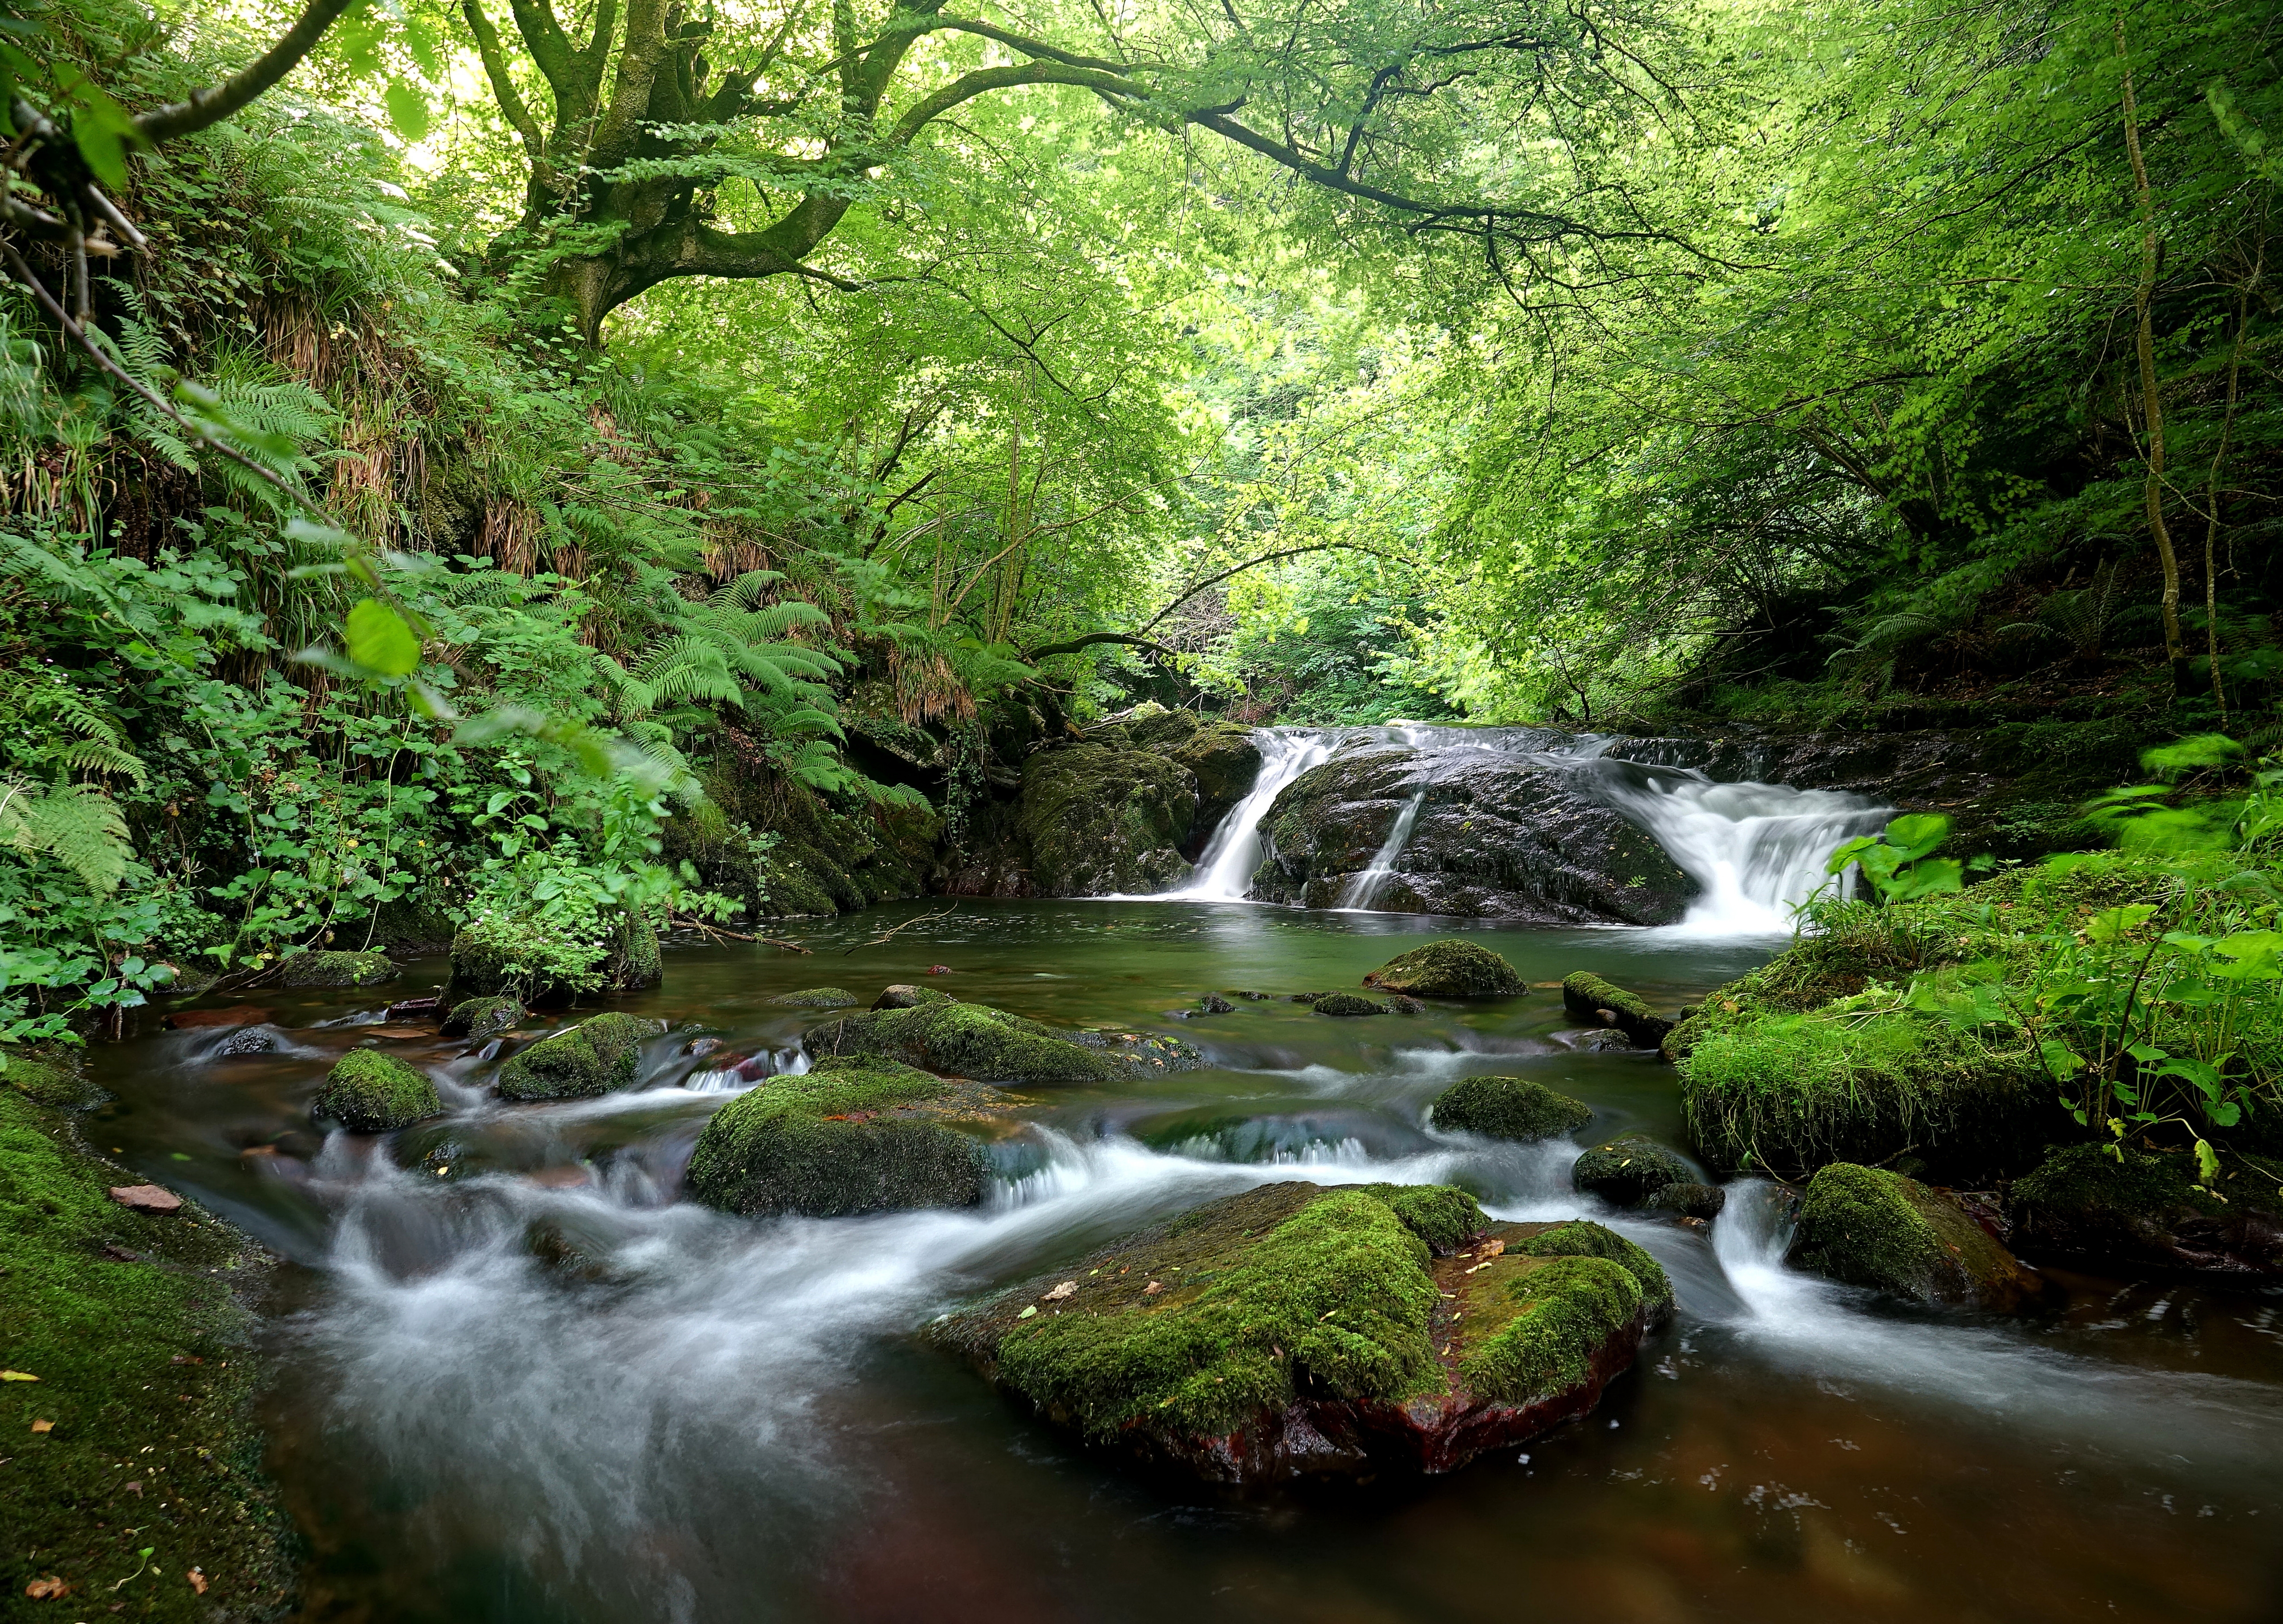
332	969
1447	969
1295	1329
2147	1208
1626	1172
1099	821
482	1019
367	1092
905	995
817	998
1589	998
1224	757
1870	1227
991	1045
1347	1004
1508	1109
598	1056
849	1138
50	1084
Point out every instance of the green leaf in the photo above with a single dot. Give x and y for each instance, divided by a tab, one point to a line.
407	109
2117	923
378	640
1917	834
2207	1161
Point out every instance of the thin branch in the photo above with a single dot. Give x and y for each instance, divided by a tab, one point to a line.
212	106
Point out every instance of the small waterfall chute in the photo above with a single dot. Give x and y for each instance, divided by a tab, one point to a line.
1224	872
1359	891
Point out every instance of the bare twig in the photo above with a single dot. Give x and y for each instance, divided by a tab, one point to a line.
917	918
735	935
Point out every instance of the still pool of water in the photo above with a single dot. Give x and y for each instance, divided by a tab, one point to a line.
702	1418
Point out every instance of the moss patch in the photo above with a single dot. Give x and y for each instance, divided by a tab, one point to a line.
598	1056
145	1351
1626	1172
367	1092
1584	996
50	1084
1099	821
1559	1315
1448	968
845	1140
991	1045
1871	1227
817	998
1582	1237
481	1019
1508	1109
338	970
1347	1004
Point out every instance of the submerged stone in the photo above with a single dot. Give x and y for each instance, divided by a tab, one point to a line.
991	1045
1596	1002
1213	1004
1297	1330
367	1092
1870	1227
848	1137
1690	1201
480	1019
1448	968
2147	1208
1628	1171
817	998
596	1057
1508	1109
1347	1004
336	970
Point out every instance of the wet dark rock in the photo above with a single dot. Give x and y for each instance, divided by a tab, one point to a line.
1628	1171
2147	1209
600	1056
337	969
817	998
1213	1004
1299	1331
903	995
1596	1002
1347	1004
1224	758
1099	820
848	1137
1403	1006
1690	1201
1497	835
412	1009
1306	997
480	1020
1256	997
367	1092
699	1046
991	1045
244	1041
1508	1109
1447	969
1870	1227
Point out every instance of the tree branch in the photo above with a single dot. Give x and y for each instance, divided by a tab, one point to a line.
1289	552
214	104
1076	643
495	69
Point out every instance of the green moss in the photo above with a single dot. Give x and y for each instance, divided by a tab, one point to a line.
1561	1315
596	1057
367	1092
149	1354
817	998
633	962
1626	1172
337	970
1873	1228
2089	1179
1443	1215
1508	1109
975	1040
845	1140
1284	1285
1347	1004
479	1018
1584	996
49	1084
1099	819
1580	1238
1447	969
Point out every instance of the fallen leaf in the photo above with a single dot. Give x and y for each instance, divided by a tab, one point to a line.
1067	1288
47	1588
1027	1312
43	1427
1492	1248
1153	1288
147	1198
197	1581
17	1376
135	1489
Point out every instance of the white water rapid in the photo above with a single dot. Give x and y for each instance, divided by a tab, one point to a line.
1360	890
1224	872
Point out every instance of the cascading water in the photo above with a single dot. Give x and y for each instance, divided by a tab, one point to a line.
1360	890
1224	872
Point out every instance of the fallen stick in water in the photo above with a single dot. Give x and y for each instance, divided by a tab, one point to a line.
735	935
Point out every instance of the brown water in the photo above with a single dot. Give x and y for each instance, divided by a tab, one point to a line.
723	1419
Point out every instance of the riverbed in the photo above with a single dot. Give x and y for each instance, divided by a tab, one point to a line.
520	1379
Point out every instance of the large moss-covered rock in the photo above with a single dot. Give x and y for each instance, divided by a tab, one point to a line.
1626	1172
1347	1004
991	1045
1447	969
817	998
1870	1227
1589	998
598	1056
2145	1208
1499	834
1508	1109
337	969
1224	757
848	1137
367	1092
1099	821
480	1020
1297	1329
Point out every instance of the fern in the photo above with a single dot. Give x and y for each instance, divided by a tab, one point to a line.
78	825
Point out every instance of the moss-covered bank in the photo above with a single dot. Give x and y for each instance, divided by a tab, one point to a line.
136	1325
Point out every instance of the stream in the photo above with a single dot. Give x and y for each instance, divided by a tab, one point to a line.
520	1380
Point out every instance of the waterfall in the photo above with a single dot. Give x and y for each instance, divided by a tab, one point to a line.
1757	850
1224	872
1360	890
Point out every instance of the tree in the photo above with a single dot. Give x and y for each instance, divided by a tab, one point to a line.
1397	112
